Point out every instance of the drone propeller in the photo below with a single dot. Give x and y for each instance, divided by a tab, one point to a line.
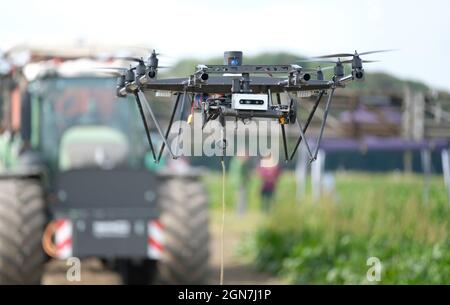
349	61
111	72
353	54
152	60
116	71
150	50
115	68
130	58
378	51
139	60
124	74
153	52
319	68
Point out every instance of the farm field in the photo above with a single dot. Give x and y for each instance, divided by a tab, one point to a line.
385	216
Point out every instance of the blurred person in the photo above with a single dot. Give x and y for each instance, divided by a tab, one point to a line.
179	166
269	172
240	173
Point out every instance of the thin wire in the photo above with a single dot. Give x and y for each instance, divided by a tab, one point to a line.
223	222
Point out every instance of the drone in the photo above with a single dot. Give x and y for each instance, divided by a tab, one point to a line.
242	92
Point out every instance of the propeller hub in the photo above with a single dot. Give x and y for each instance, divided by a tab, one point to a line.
140	69
320	74
129	76
153	60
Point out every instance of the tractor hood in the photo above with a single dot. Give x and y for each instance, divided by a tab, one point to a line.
92	146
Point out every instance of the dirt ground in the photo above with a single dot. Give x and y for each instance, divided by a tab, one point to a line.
236	269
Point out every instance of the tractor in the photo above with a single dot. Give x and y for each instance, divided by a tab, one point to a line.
75	180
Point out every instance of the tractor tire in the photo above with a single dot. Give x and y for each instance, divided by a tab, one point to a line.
185	219
22	220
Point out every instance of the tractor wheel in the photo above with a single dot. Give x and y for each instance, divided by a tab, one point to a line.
185	218
22	220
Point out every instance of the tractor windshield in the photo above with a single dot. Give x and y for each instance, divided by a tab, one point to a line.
67	103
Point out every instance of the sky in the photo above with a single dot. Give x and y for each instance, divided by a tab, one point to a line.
420	30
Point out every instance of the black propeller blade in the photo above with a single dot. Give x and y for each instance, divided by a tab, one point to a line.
130	58
319	68
379	51
115	68
149	50
140	60
353	54
114	73
349	61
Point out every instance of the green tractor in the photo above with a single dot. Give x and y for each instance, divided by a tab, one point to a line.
75	181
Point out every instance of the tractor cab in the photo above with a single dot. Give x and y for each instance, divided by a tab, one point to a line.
67	141
76	122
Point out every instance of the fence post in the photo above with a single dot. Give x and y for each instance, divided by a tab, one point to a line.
317	170
301	171
426	168
446	170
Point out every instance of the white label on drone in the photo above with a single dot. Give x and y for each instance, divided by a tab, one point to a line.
232	74
250	101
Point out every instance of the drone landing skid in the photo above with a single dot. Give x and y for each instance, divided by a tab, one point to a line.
223	112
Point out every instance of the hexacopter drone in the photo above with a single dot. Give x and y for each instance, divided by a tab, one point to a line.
241	92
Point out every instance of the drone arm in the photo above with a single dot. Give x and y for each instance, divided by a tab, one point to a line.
172	116
180	128
322	126
142	80
223	84
122	92
144	120
302	134
308	121
149	109
145	83
345	80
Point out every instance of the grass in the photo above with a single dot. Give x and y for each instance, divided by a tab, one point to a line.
330	241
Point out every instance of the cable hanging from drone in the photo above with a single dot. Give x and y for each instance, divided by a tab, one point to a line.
242	92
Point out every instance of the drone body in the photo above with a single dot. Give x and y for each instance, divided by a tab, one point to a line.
239	91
